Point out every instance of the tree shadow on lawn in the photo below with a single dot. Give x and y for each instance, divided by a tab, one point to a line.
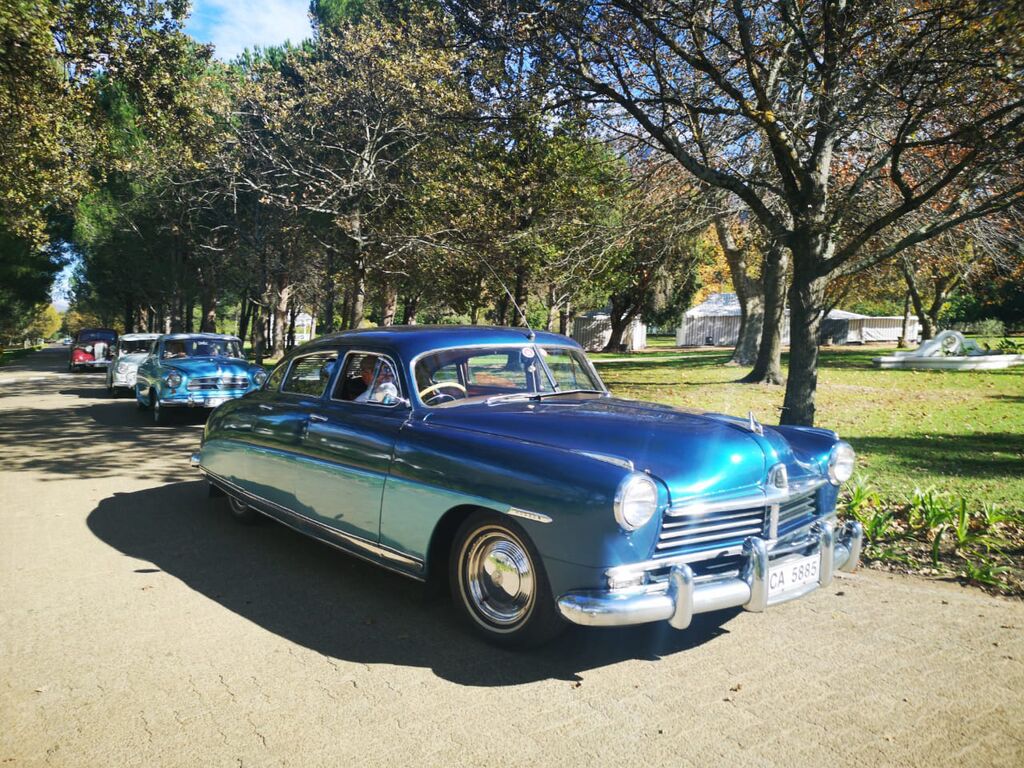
345	608
964	455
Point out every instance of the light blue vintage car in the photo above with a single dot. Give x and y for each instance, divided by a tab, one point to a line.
496	460
194	370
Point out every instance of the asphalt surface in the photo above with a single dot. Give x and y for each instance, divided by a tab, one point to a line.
141	626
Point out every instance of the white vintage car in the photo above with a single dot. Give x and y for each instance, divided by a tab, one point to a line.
132	349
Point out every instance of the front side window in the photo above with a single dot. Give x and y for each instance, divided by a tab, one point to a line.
309	374
570	369
367	378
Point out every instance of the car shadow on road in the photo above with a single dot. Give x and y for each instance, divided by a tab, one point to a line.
342	607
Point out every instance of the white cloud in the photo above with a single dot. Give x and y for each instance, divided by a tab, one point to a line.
234	25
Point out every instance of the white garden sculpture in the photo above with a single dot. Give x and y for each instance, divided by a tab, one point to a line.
949	351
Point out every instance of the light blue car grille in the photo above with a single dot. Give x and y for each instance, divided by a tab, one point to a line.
720	527
208	383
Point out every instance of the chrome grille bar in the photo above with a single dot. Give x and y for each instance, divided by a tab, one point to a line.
218	382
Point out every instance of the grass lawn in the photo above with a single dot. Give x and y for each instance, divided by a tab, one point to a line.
959	432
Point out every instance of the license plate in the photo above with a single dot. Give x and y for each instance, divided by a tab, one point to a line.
793	575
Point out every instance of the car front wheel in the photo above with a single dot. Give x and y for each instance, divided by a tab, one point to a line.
499	583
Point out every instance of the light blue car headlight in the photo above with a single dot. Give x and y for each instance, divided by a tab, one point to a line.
259	377
173	379
636	501
841	460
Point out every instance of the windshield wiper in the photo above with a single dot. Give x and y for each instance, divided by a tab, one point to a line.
513	396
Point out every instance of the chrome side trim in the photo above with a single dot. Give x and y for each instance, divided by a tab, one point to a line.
346	542
608	459
536	517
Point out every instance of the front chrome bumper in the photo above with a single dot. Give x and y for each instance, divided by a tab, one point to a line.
683	595
200	399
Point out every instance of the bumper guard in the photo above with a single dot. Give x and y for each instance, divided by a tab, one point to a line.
684	595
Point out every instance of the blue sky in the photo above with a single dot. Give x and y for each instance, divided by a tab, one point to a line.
234	25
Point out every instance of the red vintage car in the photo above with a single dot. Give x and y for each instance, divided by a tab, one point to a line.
92	348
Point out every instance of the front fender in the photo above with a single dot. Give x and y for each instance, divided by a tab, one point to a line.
438	468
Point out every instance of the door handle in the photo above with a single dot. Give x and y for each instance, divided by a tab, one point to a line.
317	418
264	407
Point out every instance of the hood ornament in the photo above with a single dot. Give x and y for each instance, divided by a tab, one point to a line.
753	424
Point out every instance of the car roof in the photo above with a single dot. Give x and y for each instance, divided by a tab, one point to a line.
411	340
184	336
138	336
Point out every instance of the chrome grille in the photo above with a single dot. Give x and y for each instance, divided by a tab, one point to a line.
797	511
711	526
719	527
207	383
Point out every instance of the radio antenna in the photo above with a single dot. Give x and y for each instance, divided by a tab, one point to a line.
512	298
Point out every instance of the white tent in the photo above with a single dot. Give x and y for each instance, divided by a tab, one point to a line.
716	322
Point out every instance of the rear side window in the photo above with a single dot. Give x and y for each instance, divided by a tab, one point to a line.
308	375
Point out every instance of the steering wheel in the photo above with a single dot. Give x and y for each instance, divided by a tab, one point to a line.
440	385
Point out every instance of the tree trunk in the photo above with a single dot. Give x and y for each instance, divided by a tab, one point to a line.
389	303
768	365
749	294
621	317
927	327
244	314
565	318
208	307
357	311
520	307
129	315
293	313
806	311
259	342
412	303
904	340
283	294
552	309
331	291
501	310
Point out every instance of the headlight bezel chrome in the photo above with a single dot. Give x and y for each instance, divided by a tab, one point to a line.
842	460
634	485
173	379
259	377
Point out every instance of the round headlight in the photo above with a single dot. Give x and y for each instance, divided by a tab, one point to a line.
259	377
122	366
173	379
840	463
636	501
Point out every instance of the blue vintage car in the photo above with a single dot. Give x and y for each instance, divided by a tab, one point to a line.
194	370
496	459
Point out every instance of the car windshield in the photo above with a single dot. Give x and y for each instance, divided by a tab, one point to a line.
132	346
205	347
506	372
90	336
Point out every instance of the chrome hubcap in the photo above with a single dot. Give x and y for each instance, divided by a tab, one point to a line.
499	578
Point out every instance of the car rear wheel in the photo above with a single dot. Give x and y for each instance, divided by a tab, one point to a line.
499	583
241	511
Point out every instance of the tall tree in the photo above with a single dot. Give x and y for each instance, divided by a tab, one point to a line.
845	98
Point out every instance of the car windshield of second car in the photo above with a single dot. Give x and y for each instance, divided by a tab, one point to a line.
456	375
181	348
133	346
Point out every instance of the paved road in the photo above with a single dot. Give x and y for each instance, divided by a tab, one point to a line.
141	627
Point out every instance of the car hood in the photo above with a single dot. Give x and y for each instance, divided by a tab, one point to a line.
134	359
695	453
209	366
